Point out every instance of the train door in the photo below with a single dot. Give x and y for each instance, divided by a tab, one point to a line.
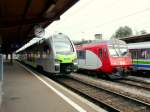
103	57
48	58
44	58
134	55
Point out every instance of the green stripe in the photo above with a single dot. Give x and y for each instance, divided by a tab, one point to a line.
31	63
66	58
141	62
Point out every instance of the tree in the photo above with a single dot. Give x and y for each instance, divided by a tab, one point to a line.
143	32
122	32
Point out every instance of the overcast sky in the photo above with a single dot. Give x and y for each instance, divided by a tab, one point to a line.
89	17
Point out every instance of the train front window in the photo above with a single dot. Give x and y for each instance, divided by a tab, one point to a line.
113	52
62	44
62	47
118	51
123	51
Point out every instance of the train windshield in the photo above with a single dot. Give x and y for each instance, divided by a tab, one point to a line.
118	51
62	44
113	52
123	51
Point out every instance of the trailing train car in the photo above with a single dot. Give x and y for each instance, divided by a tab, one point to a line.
109	58
56	54
140	53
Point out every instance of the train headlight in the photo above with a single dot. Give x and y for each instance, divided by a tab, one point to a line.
57	61
75	62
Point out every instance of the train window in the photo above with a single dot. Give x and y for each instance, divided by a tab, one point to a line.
148	53
100	52
62	44
144	54
81	54
134	54
46	49
105	52
113	52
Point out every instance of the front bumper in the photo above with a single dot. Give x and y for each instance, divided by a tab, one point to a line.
67	68
120	72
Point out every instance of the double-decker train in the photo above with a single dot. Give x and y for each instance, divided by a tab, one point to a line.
109	58
55	54
140	53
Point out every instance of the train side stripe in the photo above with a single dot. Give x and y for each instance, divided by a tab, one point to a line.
141	62
141	65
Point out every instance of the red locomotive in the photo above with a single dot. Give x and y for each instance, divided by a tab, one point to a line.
108	58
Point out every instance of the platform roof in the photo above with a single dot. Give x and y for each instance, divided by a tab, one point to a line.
18	18
137	38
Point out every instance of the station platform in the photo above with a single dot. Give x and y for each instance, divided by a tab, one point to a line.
25	91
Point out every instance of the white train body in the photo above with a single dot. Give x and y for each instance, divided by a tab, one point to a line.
55	54
140	53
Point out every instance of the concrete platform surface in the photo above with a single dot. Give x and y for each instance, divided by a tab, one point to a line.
24	92
1	93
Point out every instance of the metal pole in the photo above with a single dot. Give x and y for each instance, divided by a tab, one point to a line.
1	67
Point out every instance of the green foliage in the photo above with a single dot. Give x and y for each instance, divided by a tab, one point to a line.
143	32
123	32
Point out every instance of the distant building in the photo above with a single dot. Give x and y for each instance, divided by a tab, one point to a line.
137	38
98	36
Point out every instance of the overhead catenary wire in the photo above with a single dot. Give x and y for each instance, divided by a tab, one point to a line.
88	3
115	20
120	18
84	6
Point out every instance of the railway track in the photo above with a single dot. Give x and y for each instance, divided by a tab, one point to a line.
136	84
133	82
138	79
111	100
129	90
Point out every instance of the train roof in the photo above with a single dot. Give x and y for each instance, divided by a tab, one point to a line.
40	40
139	45
101	42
